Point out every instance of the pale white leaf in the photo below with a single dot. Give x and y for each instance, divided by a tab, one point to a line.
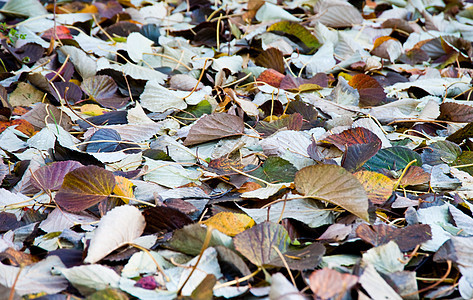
112	234
157	98
90	278
269	12
208	264
385	258
24	8
136	116
265	192
304	210
375	285
97	46
136	45
169	174
128	286
281	288
232	63
142	263
177	151
83	63
59	220
36	278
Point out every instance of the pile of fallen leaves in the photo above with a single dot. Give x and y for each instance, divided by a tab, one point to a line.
216	149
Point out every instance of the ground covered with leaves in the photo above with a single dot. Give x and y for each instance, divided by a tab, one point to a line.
207	149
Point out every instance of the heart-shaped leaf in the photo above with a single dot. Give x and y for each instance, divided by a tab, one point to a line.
333	184
84	187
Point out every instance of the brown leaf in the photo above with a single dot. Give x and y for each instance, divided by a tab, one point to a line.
213	127
371	92
271	58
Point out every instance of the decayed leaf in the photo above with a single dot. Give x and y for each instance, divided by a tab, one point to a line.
229	223
456	112
212	127
84	187
257	243
352	136
333	184
378	186
99	87
328	283
120	226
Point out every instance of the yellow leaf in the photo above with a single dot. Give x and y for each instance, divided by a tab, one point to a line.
123	187
230	223
378	186
92	110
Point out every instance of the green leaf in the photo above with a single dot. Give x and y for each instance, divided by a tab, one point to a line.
298	33
194	112
276	170
393	158
441	152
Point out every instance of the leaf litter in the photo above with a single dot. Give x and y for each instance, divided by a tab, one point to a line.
201	149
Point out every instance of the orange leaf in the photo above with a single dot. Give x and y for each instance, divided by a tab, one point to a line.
271	77
22	125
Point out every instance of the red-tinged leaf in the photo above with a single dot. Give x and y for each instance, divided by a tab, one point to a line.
406	238
51	177
371	92
58	32
378	187
456	112
352	136
357	155
415	175
85	187
223	165
329	284
293	83
271	77
272	58
21	125
213	127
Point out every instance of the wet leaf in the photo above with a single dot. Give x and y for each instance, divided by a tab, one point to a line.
85	187
335	185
